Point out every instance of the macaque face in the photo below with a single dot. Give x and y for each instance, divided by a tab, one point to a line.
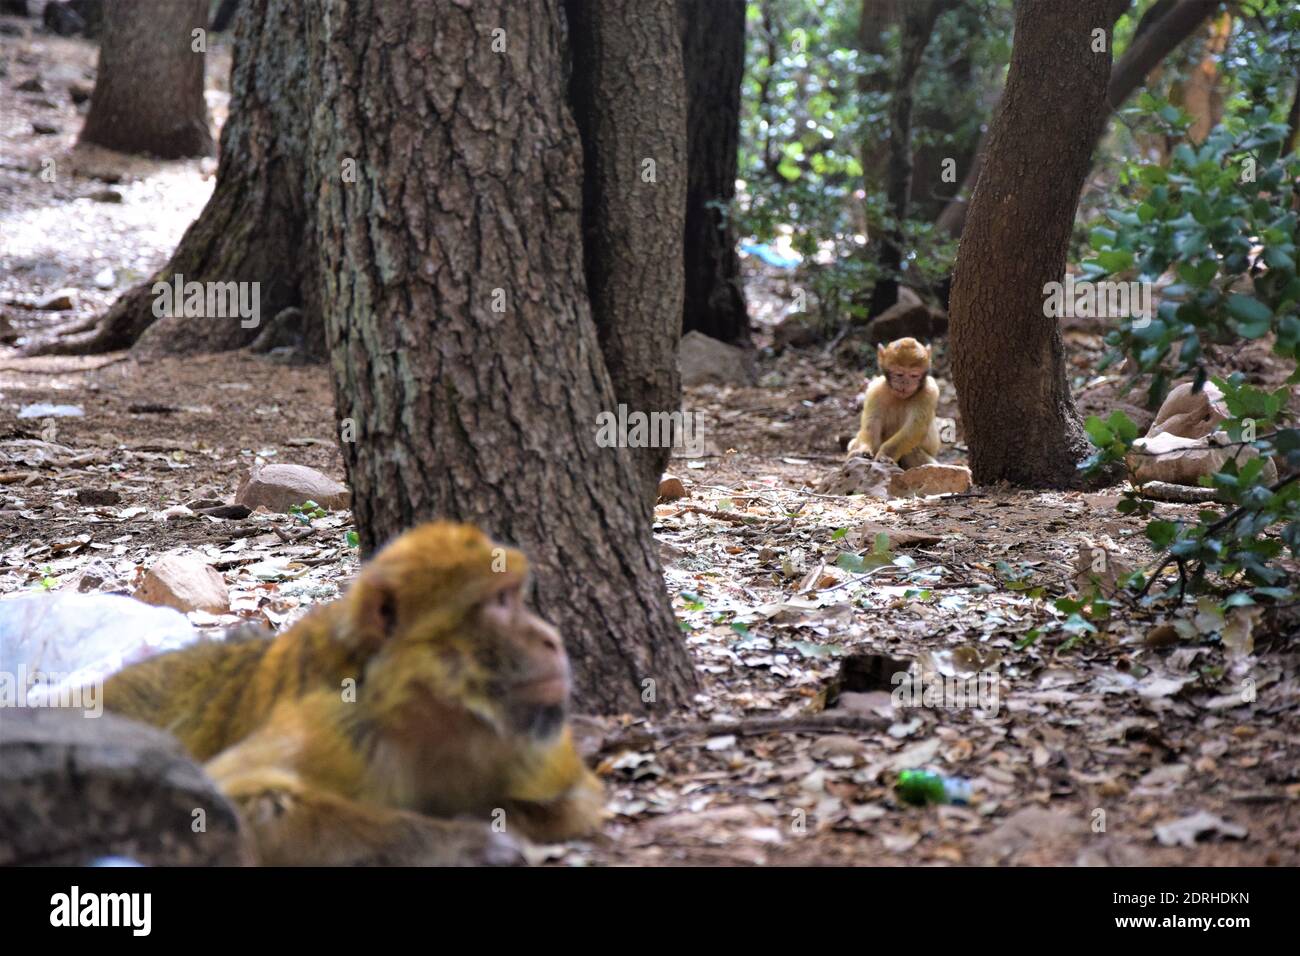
904	382
528	670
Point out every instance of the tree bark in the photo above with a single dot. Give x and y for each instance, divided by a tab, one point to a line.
918	25
460	333
161	109
256	226
1164	26
629	99
713	51
1008	360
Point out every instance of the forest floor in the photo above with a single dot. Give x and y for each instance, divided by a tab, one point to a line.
1105	749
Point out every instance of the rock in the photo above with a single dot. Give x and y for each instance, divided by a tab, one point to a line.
10	30
99	575
285	330
57	301
860	476
1187	830
1162	635
1031	830
105	195
703	361
796	330
228	512
864	536
671	488
76	790
44	129
276	487
930	480
1182	461
1189	414
32	84
62	18
904	319
79	93
105	279
95	497
185	584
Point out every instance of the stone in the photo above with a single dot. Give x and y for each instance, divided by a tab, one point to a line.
277	487
904	319
1189	414
706	361
796	330
95	497
930	480
106	195
1182	461
186	584
79	93
76	790
44	129
32	84
860	476
58	301
671	488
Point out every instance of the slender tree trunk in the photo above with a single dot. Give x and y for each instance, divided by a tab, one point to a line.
629	99
713	50
918	25
1293	120
256	226
1008	360
161	109
461	338
1201	95
1164	26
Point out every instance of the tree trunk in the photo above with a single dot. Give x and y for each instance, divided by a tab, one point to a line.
918	25
713	51
1008	360
161	109
1164	26
256	227
629	99
459	328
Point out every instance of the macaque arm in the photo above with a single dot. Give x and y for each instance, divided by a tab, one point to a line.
916	425
290	823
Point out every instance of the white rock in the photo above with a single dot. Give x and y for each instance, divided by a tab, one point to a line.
930	480
703	360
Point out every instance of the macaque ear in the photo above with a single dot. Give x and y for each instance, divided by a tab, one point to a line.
377	612
880	356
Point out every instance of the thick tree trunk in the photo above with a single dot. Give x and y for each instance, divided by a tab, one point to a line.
629	100
713	50
1008	360
460	332
1164	26
918	25
158	110
256	227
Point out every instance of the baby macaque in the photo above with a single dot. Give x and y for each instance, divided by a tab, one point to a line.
898	414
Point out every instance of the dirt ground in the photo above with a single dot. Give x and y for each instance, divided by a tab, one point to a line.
1101	750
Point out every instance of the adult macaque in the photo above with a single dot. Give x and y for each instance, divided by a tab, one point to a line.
898	414
428	692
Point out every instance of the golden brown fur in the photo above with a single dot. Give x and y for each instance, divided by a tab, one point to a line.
455	706
900	425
